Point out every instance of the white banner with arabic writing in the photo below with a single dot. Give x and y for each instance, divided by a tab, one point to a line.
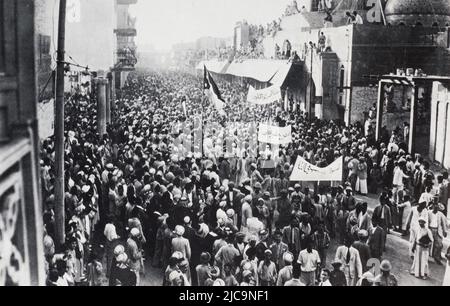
264	96
274	134
304	171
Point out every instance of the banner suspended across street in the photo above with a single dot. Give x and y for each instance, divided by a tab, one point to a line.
305	172
264	96
274	134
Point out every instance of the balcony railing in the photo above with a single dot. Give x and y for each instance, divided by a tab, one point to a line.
126	2
126	32
126	59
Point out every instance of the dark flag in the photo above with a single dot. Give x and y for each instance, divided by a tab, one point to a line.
212	92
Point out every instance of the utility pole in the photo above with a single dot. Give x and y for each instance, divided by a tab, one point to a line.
59	128
311	81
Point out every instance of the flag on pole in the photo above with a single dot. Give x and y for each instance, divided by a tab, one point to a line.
213	93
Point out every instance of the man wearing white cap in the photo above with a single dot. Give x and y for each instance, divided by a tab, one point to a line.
267	270
247	213
386	279
421	250
309	260
181	244
134	253
122	275
437	223
285	273
227	254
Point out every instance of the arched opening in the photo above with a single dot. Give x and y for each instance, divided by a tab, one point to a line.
287	48
419	24
435	25
402	24
341	84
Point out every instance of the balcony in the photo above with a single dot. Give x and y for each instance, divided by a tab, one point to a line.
128	32
126	2
126	60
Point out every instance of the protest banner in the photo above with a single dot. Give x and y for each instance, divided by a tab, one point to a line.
264	96
274	134
306	172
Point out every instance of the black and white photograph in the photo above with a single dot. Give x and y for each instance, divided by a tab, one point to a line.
224	143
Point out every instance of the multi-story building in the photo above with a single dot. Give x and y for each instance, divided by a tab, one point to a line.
342	62
22	259
125	32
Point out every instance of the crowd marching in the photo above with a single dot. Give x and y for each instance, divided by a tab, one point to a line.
134	200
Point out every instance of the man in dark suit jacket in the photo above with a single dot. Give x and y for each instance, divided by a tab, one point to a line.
376	240
224	169
234	201
382	215
363	248
262	245
291	236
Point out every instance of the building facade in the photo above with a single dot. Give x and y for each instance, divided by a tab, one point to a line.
22	259
125	33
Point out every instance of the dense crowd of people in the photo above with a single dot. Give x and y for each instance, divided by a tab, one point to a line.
215	216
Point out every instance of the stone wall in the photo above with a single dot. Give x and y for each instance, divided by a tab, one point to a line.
379	50
440	125
45	46
363	98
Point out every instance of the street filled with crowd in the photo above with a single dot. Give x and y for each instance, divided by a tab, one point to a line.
223	213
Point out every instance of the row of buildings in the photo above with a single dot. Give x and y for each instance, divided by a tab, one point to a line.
100	48
390	72
100	44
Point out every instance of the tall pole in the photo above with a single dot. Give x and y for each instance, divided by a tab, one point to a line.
311	86
59	128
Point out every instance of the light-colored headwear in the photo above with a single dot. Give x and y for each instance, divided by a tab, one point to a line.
230	213
187	220
179	230
122	258
119	250
174	275
220	214
135	232
288	257
219	283
363	234
203	230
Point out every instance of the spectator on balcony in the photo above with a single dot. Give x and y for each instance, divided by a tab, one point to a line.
328	21
292	9
322	42
320	5
351	19
358	18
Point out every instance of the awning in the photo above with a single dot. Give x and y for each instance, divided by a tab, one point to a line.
260	70
214	66
281	75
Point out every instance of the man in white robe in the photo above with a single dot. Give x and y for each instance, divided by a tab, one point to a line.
421	250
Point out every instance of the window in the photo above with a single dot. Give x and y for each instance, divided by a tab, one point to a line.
341	84
419	24
341	79
435	25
